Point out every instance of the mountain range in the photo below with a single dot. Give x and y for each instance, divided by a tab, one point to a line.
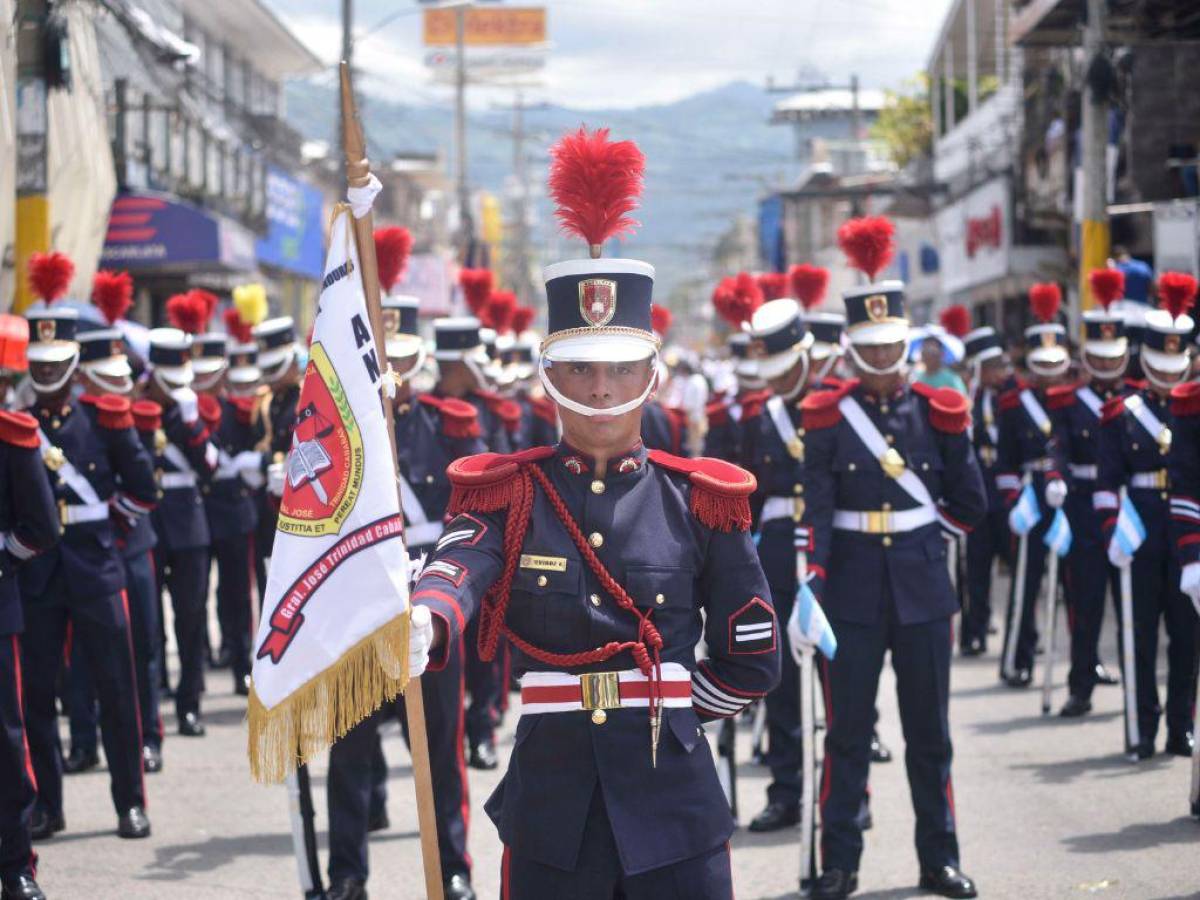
709	157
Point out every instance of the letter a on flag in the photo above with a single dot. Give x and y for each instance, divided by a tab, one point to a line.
332	645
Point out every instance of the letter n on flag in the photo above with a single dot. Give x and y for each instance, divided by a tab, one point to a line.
332	644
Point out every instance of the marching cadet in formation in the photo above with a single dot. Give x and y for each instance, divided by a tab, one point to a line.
1030	452
663	427
887	466
722	440
431	432
1135	459
604	564
29	523
539	418
99	469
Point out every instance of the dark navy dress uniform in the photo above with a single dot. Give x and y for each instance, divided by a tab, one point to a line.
723	440
539	422
185	462
431	433
664	428
232	510
585	809
29	523
884	585
81	582
280	423
1132	458
1088	571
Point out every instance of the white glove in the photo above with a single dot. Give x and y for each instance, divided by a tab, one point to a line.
1056	493
798	640
189	405
361	198
249	466
1189	583
1116	555
420	639
275	478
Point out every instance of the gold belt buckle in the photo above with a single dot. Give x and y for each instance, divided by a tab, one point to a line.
62	513
879	521
600	690
1160	478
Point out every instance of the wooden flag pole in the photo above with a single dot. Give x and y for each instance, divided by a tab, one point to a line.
357	173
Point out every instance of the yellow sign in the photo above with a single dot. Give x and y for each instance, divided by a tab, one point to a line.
487	27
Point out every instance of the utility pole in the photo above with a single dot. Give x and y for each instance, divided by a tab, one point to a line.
1094	233
33	194
466	227
519	252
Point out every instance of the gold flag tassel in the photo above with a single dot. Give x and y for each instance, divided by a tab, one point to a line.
328	705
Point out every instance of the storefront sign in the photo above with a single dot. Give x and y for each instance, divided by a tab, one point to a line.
974	237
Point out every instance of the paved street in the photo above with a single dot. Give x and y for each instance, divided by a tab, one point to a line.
1046	809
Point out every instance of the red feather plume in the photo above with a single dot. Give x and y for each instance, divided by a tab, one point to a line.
595	185
239	330
1176	292
186	312
392	246
1044	300
522	318
1108	285
956	320
660	319
208	299
477	287
868	243
808	283
721	295
50	274
112	293
745	297
497	313
773	285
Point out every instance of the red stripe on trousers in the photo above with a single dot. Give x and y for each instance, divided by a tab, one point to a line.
460	758
827	774
504	889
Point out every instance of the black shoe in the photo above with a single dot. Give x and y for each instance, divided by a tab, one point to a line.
1075	707
80	761
1103	676
879	751
1144	750
947	881
133	824
191	726
22	887
347	889
834	884
458	887
483	756
241	686
379	822
1181	743
1022	678
44	825
776	816
151	760
975	646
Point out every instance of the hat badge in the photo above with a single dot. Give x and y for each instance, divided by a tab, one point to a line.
46	329
597	301
1048	339
1108	331
391	321
877	307
1171	343
115	348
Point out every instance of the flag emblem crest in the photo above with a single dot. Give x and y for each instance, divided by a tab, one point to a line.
597	301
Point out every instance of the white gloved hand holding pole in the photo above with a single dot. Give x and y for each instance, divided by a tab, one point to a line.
189	405
1056	493
420	640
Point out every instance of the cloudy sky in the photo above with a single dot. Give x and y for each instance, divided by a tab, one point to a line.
608	53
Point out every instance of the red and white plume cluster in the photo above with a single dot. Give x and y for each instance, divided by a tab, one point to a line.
50	274
809	283
956	320
189	312
392	247
476	286
112	294
774	285
498	312
596	184
1044	301
1108	286
869	243
736	297
1176	292
522	318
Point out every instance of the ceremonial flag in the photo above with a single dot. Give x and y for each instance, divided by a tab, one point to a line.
813	622
1025	513
332	645
1058	535
1129	533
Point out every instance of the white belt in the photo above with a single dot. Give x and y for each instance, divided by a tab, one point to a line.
422	534
1045	464
170	480
552	692
1156	479
1085	472
883	521
778	508
75	514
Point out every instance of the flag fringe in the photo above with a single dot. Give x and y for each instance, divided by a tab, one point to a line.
328	705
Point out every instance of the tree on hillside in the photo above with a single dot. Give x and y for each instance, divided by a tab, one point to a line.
905	124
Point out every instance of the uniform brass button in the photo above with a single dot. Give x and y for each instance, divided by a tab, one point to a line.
542	581
1164	495
852	467
55	423
883	408
886	507
595	599
766	457
887	541
429	479
596	539
797	489
925	467
799	431
91	467
597	487
1085	432
891	439
599	717
660	599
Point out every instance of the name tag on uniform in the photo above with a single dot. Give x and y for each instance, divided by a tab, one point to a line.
544	563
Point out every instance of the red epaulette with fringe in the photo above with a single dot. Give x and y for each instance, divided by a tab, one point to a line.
18	429
210	410
484	482
507	411
147	415
243	409
1185	399
1060	396
459	418
753	403
820	408
1111	409
717	413
544	409
949	411
112	411
1010	399
720	490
